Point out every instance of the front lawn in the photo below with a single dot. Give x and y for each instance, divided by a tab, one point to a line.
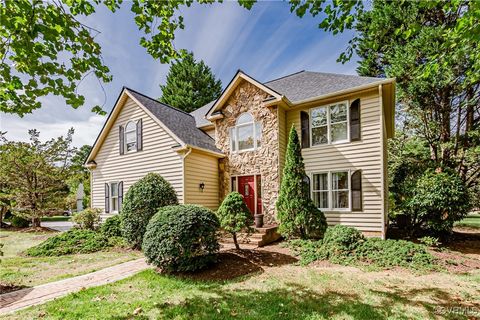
471	221
19	270
273	291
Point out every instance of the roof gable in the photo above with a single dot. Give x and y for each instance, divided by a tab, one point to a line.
179	125
239	76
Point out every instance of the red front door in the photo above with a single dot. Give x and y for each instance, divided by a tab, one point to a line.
246	187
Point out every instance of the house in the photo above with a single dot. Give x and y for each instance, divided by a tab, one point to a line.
238	142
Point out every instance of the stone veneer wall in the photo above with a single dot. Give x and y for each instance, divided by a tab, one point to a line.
264	160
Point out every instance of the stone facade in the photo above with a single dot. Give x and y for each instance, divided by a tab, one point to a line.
263	160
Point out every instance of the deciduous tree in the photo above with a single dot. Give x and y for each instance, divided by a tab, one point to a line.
34	174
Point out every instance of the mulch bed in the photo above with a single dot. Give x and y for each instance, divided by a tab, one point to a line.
238	263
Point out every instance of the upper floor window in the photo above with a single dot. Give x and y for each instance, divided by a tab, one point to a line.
329	124
131	136
246	135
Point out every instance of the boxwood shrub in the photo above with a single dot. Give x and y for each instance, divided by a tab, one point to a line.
142	201
182	238
112	226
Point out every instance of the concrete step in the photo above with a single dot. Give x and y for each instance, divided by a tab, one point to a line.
260	237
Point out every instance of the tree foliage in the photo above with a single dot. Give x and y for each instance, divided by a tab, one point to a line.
440	200
298	215
142	201
190	84
234	215
45	50
34	174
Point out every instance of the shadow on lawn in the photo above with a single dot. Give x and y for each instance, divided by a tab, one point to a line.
238	264
298	302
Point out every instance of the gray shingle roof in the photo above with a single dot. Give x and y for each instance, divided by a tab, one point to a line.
306	84
200	113
179	122
300	86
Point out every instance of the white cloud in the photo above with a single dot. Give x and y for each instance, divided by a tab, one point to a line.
85	131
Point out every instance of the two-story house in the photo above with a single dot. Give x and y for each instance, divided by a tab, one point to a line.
238	142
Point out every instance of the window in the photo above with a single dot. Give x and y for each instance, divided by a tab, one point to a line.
340	190
329	124
320	190
331	190
131	136
114	196
246	135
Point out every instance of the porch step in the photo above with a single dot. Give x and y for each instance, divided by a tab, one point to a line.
260	237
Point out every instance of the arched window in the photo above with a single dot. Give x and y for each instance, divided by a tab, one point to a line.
246	135
131	136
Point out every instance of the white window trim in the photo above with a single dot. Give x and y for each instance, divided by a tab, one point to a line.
111	196
330	190
329	124
234	130
125	136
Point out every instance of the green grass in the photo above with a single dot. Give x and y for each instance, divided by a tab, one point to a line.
287	292
17	269
57	218
471	221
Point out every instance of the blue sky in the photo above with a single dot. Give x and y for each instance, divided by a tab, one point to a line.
266	42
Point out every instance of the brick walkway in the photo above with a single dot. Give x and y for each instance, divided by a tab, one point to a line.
13	301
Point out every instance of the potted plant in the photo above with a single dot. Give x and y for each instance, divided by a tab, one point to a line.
258	220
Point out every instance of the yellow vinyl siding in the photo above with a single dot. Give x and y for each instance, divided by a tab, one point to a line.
210	132
365	155
201	167
157	156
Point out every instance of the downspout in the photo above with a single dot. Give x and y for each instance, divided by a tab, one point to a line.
189	150
382	157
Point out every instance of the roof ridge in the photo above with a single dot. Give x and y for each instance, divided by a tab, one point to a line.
162	103
342	74
288	75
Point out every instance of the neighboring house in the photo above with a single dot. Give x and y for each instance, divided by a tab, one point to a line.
238	142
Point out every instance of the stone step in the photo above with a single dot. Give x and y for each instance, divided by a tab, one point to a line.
261	236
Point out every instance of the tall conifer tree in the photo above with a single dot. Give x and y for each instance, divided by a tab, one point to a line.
190	84
297	213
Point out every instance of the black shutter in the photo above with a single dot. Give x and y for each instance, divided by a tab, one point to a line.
305	123
120	195
107	198
355	120
139	135
121	141
357	191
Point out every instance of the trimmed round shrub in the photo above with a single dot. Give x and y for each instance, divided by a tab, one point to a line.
182	238
340	240
234	215
441	199
19	222
112	226
87	219
141	202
